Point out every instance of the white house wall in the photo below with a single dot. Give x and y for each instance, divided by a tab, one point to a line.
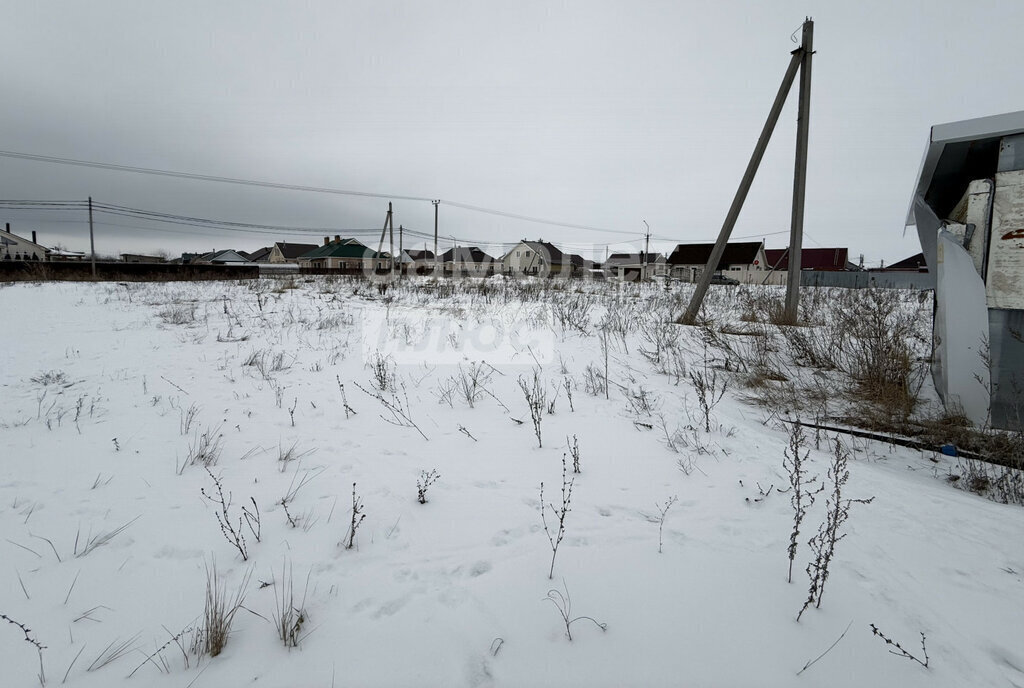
12	245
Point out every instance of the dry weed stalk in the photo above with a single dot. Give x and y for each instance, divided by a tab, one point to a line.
560	513
823	544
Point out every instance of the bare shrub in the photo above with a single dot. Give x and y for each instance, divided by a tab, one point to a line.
472	382
50	377
574	452
815	347
357	518
574	312
642	402
594	381
424	482
397	405
382	372
445	391
178	314
881	358
536	399
232	533
998	482
710	389
900	651
620	320
660	340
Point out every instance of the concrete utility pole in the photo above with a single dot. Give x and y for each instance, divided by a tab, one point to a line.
401	229
647	248
92	243
391	241
704	282
436	203
383	233
796	230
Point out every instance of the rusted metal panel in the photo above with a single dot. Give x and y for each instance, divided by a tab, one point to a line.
1005	278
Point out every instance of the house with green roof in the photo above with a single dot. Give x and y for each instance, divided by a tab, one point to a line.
343	254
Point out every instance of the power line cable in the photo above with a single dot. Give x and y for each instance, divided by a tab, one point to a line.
201	177
292	187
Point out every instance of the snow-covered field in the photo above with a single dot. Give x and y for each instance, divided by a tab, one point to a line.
108	393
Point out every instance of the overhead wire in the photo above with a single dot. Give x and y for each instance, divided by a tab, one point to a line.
293	187
202	177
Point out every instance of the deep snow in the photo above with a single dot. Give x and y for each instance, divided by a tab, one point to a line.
451	592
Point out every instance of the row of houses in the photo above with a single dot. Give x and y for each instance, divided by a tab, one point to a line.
742	262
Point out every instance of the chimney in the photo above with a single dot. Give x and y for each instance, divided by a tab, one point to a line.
337	237
34	237
327	240
8	227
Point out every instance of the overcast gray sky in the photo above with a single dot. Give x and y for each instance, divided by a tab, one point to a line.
594	113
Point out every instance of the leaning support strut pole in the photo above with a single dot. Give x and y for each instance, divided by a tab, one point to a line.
741	193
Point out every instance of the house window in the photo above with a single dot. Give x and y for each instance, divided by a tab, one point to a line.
517	254
527	254
735	268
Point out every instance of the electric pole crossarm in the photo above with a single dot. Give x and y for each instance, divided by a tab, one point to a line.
741	194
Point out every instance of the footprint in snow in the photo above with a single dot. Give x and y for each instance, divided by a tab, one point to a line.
479	568
504	537
478	672
391	607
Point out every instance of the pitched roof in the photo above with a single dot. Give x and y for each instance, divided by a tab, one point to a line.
260	253
546	249
742	253
810	258
292	251
343	248
20	239
225	256
422	254
634	258
466	254
915	262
